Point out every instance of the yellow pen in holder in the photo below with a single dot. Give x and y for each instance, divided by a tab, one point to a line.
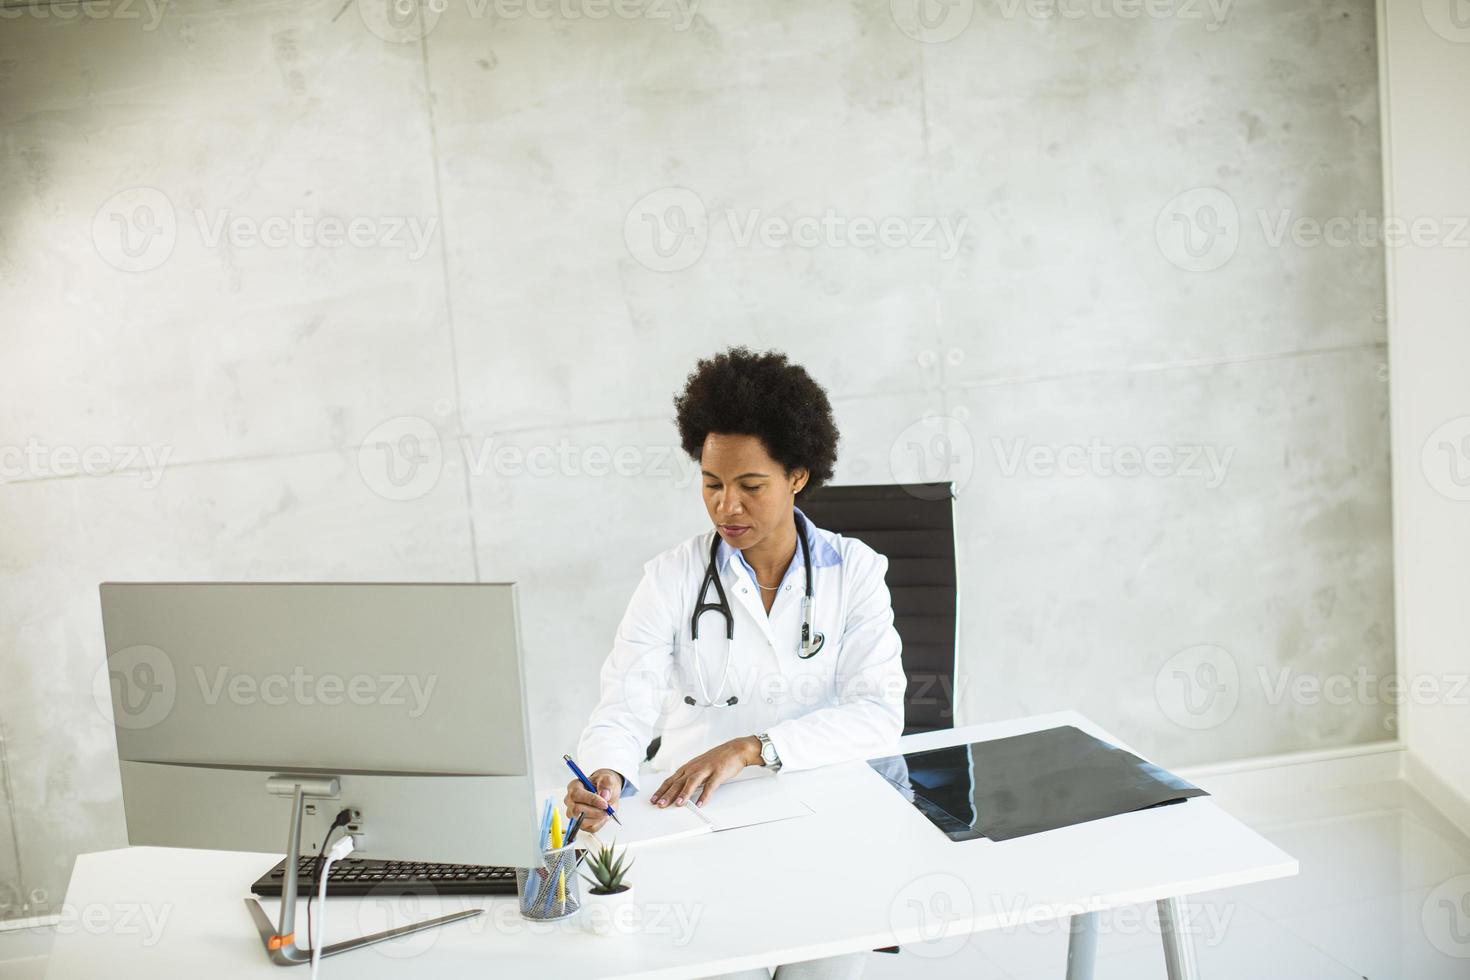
556	843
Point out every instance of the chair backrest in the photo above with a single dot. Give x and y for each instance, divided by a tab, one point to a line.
913	526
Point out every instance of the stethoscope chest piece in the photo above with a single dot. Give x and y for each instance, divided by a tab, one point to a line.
811	642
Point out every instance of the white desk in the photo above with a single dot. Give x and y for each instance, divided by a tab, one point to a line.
867	871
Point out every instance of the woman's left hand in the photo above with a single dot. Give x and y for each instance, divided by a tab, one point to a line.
708	770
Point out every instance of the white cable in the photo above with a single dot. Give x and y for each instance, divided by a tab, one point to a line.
339	850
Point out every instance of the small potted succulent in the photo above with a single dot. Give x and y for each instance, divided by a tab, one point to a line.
608	907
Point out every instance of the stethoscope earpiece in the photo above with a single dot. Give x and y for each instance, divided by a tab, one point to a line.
689	700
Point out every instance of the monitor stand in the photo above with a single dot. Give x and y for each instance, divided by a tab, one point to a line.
280	942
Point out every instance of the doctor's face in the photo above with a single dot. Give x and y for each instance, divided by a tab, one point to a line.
748	494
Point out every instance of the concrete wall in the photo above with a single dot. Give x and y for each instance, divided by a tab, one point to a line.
1426	60
283	279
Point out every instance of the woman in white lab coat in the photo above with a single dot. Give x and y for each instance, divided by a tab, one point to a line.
760	686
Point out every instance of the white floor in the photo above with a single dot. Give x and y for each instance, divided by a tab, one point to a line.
1383	894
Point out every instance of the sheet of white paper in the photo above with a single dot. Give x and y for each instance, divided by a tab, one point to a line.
748	802
742	802
644	823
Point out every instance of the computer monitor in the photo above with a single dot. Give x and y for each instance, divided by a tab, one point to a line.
242	708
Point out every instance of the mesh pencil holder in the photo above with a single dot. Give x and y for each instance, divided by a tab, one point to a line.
550	892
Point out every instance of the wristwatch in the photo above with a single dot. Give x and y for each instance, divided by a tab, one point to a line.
769	758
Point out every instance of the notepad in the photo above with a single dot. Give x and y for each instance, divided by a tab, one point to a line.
739	803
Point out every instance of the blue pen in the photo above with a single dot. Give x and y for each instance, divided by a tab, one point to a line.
533	888
544	840
587	785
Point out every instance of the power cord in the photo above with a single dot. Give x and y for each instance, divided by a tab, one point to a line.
344	817
338	851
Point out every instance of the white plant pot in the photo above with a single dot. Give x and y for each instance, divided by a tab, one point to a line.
611	915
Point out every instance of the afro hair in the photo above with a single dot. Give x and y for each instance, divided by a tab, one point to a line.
740	392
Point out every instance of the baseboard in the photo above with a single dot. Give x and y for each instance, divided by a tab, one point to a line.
1321	769
1442	796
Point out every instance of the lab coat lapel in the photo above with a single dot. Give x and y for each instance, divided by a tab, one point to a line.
741	591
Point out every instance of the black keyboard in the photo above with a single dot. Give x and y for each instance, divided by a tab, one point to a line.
363	876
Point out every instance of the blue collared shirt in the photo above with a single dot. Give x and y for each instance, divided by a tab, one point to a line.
823	554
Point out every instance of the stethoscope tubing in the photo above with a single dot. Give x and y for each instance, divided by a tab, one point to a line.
809	647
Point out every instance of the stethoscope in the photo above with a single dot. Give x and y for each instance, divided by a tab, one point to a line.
811	643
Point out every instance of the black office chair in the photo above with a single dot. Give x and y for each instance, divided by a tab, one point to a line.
913	526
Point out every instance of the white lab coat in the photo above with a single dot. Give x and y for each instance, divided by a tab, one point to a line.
846	702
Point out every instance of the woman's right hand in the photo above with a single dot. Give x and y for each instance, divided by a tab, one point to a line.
593	807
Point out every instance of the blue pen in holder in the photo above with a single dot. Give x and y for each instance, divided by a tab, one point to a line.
536	888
